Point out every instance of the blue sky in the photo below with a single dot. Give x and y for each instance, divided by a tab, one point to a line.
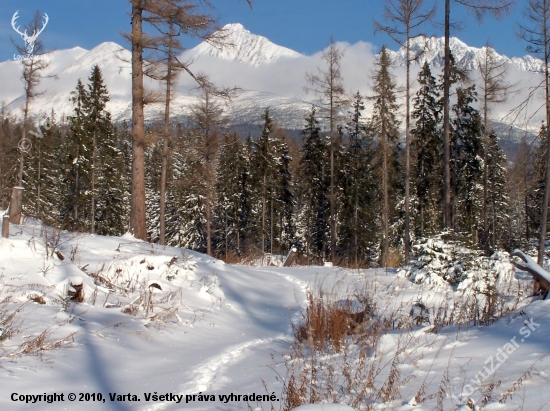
302	25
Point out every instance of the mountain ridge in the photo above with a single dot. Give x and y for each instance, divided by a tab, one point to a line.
250	53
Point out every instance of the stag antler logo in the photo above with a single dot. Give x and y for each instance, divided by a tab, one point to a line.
29	40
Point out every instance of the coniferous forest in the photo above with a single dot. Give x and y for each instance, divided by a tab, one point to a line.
236	196
351	188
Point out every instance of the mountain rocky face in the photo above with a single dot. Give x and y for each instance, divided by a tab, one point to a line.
432	50
244	47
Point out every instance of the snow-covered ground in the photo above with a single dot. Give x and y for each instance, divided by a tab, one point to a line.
160	325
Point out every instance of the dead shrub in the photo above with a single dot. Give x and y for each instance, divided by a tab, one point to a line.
394	258
130	309
38	344
231	257
9	324
324	324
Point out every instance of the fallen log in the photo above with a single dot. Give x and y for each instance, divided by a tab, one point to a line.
540	275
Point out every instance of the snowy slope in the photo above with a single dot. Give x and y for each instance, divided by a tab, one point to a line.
217	329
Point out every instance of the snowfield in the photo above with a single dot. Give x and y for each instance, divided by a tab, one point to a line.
162	328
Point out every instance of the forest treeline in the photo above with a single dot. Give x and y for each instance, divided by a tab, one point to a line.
236	196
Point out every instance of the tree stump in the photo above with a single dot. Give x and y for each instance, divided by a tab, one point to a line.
6	226
290	257
16	205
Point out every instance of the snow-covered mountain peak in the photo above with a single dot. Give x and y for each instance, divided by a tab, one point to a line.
235	27
102	55
243	47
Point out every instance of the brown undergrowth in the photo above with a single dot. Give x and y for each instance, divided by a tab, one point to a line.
336	354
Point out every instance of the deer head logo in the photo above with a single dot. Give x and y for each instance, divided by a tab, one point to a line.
29	40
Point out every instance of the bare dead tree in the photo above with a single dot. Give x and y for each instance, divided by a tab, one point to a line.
494	90
537	35
34	64
479	8
165	69
407	16
187	17
207	115
329	86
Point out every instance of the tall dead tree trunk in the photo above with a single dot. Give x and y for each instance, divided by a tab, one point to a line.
494	90
479	8
329	86
138	224
544	217
447	222
538	38
406	16
166	140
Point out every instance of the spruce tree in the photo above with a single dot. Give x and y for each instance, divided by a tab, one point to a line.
93	166
357	226
497	206
539	177
287	230
230	176
315	183
75	211
467	163
106	176
385	125
185	199
266	174
43	172
427	148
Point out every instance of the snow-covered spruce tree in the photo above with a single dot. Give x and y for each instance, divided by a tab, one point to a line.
208	119
467	164
93	168
386	128
272	196
497	198
426	151
479	7
185	200
8	156
315	183
78	159
153	162
539	177
287	229
357	231
493	90
107	172
124	147
43	173
231	176
329	86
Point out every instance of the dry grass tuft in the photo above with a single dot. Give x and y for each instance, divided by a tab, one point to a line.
37	298
323	324
394	258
